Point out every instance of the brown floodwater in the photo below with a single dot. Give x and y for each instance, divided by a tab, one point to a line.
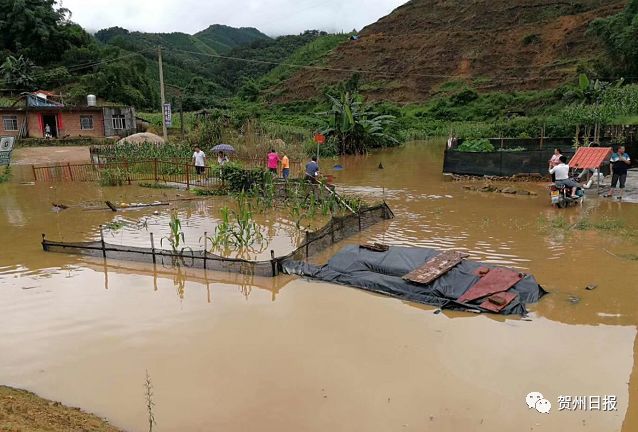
235	353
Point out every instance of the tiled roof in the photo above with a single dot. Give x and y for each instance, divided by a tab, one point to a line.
590	157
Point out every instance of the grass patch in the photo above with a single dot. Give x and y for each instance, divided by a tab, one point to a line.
155	186
210	192
606	225
5	174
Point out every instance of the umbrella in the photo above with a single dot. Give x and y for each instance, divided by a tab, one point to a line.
223	148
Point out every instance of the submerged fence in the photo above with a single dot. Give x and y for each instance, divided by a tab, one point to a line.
154	170
339	228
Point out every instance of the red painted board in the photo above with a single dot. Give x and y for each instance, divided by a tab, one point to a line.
435	267
498	302
496	281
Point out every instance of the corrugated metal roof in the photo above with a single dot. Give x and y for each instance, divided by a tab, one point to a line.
590	157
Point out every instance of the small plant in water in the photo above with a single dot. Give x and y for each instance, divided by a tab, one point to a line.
148	393
237	227
113	177
176	238
6	175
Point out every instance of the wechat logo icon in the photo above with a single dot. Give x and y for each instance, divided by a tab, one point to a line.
538	402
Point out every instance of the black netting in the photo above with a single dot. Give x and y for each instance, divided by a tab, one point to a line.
500	163
338	229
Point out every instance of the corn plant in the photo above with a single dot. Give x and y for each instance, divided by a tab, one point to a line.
176	237
237	228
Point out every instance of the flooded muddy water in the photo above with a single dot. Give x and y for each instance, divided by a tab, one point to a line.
235	353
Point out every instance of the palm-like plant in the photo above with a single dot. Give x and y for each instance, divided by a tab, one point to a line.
18	72
353	126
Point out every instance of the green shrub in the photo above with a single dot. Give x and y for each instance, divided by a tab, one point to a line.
239	179
113	177
476	146
6	175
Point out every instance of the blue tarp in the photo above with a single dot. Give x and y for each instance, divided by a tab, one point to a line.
382	272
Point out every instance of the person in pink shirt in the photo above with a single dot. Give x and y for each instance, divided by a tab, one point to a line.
555	161
273	161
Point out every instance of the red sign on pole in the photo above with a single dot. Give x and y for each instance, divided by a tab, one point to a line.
320	138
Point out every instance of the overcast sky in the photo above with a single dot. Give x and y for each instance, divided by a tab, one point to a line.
273	17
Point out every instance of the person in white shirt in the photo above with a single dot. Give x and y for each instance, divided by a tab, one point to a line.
199	160
561	172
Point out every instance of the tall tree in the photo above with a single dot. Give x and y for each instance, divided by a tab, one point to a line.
619	33
39	30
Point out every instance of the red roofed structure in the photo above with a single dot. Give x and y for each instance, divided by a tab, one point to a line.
590	157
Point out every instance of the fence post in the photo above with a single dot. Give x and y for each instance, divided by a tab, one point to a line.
332	230
188	185
35	176
102	241
273	263
205	248
153	248
68	165
128	174
155	169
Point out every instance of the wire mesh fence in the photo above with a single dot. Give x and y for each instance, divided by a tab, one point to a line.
337	229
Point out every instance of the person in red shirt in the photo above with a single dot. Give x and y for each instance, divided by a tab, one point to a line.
273	161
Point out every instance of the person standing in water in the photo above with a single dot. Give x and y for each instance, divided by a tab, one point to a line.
285	166
312	169
620	162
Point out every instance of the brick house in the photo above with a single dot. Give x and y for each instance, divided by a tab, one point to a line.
36	113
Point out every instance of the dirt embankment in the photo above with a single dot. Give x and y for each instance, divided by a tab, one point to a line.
22	411
489	44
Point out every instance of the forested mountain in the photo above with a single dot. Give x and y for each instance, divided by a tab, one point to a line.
41	48
224	38
416	52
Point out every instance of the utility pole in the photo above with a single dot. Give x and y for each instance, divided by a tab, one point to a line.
162	95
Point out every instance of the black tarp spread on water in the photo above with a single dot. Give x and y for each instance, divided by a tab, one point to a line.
382	272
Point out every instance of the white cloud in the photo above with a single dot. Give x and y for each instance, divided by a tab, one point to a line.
273	17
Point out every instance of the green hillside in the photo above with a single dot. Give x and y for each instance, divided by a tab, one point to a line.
224	38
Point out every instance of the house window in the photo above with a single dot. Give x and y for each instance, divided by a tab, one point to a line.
10	123
119	122
86	122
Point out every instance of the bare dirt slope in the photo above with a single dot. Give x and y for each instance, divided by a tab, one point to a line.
491	44
25	412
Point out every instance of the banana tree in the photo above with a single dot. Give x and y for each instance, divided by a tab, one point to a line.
354	127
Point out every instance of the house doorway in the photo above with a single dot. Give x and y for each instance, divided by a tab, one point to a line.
52	122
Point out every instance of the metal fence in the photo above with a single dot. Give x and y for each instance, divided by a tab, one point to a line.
147	170
107	154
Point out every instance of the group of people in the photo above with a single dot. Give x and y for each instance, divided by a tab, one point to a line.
199	160
619	162
273	163
274	160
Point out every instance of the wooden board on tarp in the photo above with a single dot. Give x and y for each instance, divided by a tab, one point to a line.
496	281
497	302
435	267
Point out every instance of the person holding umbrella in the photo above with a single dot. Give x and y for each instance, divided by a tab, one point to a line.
223	150
222	159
